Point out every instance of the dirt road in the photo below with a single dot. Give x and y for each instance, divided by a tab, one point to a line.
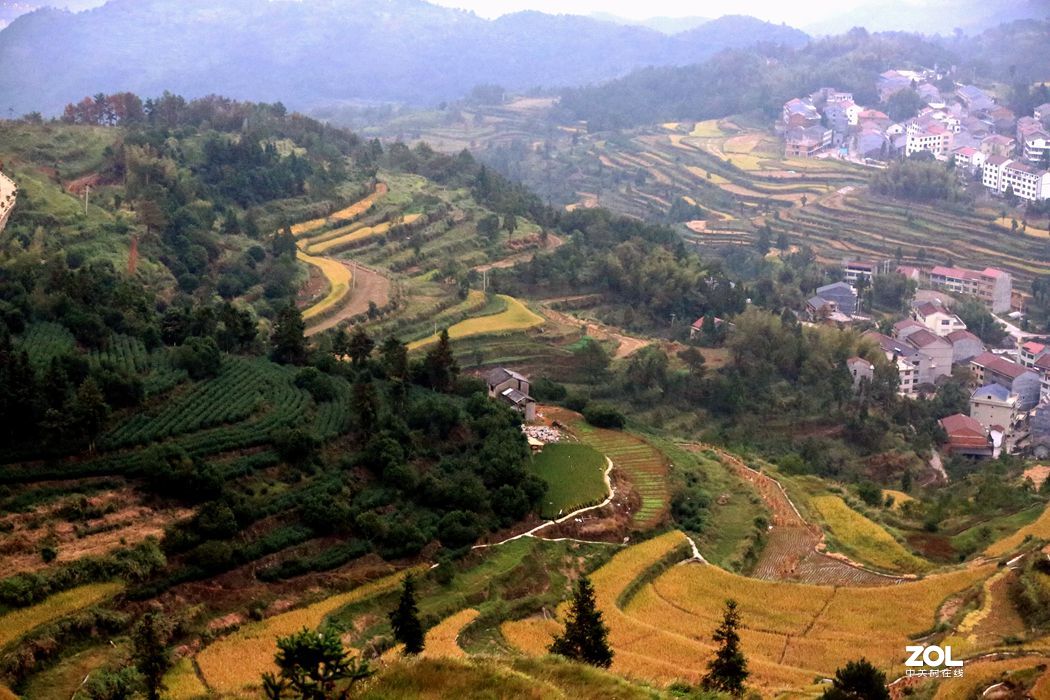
369	285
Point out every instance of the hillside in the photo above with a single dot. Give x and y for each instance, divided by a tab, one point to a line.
942	17
397	50
239	354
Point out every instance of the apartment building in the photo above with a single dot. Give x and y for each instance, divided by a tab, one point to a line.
935	138
1004	175
992	287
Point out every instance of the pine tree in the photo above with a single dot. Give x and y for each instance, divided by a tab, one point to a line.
586	638
728	670
151	655
394	356
313	666
408	630
441	367
288	339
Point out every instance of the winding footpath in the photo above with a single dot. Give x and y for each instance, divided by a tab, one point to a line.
610	488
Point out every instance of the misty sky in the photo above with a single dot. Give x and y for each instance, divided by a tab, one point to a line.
794	13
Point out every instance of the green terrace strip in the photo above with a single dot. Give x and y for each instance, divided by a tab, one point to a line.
19	622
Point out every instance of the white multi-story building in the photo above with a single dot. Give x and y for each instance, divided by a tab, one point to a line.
935	138
968	158
1025	181
1036	147
1002	175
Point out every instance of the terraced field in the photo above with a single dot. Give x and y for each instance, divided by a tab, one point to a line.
236	663
862	225
791	551
19	622
643	465
514	317
660	623
1039	530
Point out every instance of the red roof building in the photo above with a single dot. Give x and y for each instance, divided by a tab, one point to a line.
966	436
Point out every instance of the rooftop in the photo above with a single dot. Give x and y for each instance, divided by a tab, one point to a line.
993	392
925	338
499	375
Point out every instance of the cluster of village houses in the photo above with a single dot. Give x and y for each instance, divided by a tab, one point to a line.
1009	407
986	139
1010	388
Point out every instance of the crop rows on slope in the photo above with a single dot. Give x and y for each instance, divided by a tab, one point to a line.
243	388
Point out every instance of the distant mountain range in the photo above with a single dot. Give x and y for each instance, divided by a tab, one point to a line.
313	52
932	16
667	25
12	9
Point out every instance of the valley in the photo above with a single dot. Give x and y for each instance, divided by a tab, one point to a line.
604	389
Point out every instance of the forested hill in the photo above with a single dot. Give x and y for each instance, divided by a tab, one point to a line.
328	50
763	78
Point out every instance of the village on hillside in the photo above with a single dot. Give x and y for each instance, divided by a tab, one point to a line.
1007	153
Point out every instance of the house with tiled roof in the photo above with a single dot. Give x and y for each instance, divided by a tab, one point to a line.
965	346
974	98
806	142
799	114
511	388
998	145
966	436
920	360
968	158
936	317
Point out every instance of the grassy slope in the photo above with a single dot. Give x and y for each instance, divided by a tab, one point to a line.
574	474
476	679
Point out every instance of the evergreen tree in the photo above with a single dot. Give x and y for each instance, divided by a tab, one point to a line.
313	666
89	410
365	405
394	356
441	367
728	670
408	630
586	638
858	680
288	340
360	346
150	640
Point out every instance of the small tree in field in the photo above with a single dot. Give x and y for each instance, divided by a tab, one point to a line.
408	630
313	666
586	638
858	680
728	670
150	642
